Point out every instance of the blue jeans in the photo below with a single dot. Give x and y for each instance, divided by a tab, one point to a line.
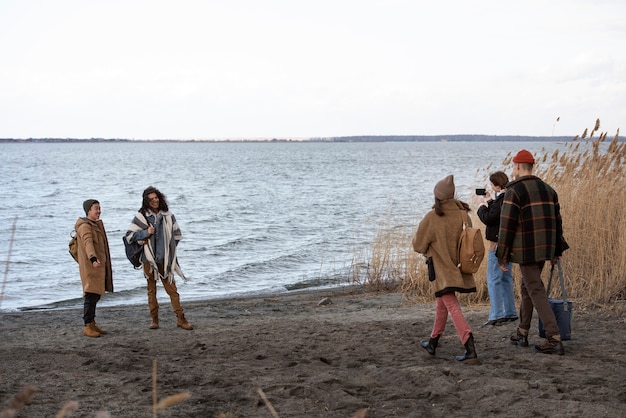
500	288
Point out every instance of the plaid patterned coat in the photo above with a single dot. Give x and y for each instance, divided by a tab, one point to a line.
531	228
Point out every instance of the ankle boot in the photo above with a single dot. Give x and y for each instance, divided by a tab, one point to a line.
431	345
470	356
90	330
155	322
182	322
552	345
520	338
98	329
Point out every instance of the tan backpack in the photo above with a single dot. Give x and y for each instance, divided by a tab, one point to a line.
471	248
73	246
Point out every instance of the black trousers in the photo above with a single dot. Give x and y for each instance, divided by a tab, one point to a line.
89	309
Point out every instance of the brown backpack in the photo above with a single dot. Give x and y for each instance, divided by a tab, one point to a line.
73	246
471	248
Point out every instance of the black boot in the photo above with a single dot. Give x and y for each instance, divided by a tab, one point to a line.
470	356
431	344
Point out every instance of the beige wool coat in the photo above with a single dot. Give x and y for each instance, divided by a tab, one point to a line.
93	242
438	237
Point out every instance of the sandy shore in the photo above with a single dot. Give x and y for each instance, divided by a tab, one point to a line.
310	359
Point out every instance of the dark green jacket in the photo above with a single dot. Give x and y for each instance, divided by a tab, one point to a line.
531	229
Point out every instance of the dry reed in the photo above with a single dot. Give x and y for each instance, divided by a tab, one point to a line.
589	177
21	399
267	403
172	400
168	401
68	409
361	413
6	267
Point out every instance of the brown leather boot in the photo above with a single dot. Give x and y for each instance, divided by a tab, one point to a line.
153	303
182	322
552	345
98	329
90	330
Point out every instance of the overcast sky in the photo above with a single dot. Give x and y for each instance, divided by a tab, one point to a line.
206	69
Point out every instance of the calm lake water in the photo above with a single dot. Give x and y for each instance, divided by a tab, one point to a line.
255	217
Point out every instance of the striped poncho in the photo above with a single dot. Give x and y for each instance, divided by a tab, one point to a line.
165	224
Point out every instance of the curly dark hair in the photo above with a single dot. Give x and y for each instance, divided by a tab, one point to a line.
145	205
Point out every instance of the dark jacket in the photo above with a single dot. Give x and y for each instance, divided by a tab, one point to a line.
438	237
531	229
490	216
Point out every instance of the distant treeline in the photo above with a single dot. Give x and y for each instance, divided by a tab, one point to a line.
359	138
444	138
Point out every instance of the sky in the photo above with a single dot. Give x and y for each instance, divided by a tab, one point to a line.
241	69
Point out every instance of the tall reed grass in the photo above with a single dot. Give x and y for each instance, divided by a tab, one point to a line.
589	176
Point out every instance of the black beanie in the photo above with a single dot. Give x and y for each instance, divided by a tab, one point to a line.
87	204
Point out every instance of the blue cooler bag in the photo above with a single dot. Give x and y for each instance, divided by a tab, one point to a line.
562	309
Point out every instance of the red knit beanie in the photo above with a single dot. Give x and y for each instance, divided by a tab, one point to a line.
524	156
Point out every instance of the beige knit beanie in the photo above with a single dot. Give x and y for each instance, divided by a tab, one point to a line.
444	189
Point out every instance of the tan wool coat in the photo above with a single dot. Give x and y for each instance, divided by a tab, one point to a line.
93	242
438	237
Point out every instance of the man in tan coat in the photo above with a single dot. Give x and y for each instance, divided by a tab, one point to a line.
94	261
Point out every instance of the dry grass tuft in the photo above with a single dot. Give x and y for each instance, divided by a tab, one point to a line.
361	413
225	415
168	401
173	400
21	399
267	402
589	177
384	266
68	409
584	135
591	191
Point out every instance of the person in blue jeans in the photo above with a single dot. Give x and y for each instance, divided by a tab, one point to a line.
499	283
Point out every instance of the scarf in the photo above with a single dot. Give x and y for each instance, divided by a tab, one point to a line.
171	235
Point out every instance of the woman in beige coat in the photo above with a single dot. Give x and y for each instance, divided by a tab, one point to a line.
94	263
437	236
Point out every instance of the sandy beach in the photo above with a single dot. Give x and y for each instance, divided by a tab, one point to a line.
355	351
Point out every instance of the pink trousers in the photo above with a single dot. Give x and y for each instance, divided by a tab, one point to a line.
448	303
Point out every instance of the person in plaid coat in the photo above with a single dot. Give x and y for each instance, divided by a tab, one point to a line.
531	233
